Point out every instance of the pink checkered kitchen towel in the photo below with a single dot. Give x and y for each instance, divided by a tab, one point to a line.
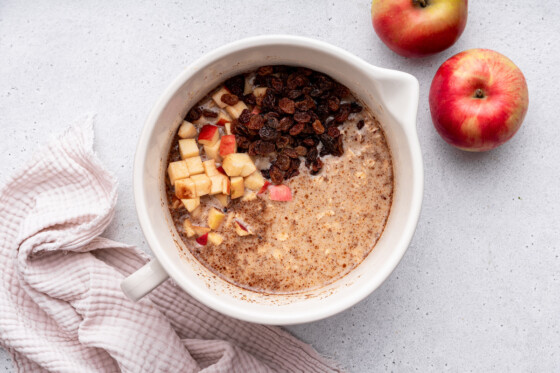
61	307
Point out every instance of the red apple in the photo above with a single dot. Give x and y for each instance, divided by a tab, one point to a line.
280	193
478	99
264	187
202	240
417	28
228	145
208	135
223	118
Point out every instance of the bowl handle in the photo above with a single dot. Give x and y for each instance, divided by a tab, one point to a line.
144	280
400	92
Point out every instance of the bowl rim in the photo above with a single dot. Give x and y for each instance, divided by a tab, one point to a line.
214	302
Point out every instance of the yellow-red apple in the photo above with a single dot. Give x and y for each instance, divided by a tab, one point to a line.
478	99
417	28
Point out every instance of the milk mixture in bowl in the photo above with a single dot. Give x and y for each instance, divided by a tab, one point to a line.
279	180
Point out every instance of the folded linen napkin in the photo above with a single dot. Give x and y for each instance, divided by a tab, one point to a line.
61	307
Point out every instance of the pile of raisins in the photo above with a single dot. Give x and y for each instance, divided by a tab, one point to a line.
301	109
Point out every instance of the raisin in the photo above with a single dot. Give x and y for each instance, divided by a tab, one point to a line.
245	116
333	103
296	129
283	141
286	105
276	175
355	107
306	104
312	155
323	152
265	70
229	99
324	83
333	145
285	124
296	80
266	173
269	100
305	71
209	113
265	147
360	125
242	142
253	148
306	90
260	81
236	85
316	166
283	162
250	99
301	151
333	132
315	92
309	142
276	84
194	114
302	117
322	111
340	91
318	127
268	134
293	94
342	114
289	152
256	122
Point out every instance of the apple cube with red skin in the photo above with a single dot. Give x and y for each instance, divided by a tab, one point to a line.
238	164
236	110
187	130
202	240
210	168
194	164
255	181
241	229
208	135
185	189
264	187
213	151
237	187
177	170
280	193
215	218
223	199
188	148
223	119
217	97
191	204
227	145
188	228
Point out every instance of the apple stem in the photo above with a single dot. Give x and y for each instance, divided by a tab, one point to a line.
478	93
422	3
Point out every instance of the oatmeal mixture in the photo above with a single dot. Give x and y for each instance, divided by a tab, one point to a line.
279	181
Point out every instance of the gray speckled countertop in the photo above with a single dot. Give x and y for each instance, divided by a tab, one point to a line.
478	289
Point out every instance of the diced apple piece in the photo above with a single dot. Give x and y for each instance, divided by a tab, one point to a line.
238	164
213	151
255	181
196	212
188	227
228	128
202	240
247	88
188	148
175	203
187	130
177	170
217	97
215	218
208	135
185	189
237	187
264	187
236	110
200	231
223	199
223	119
215	238
226	186
227	145
202	184
221	170
194	165
191	204
241	229
210	168
249	196
280	193
259	92
217	184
